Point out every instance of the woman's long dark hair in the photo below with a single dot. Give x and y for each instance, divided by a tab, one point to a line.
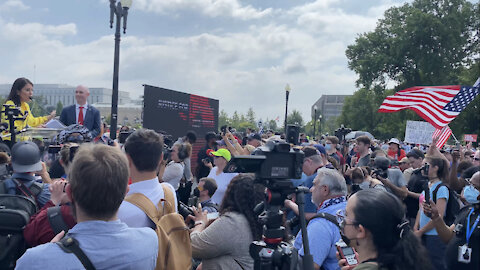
382	214
242	196
17	86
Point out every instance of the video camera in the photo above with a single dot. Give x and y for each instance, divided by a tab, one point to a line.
167	145
341	132
274	165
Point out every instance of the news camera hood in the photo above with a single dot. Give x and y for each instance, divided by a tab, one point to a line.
275	160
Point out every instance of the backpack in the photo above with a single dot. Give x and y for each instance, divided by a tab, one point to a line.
15	213
453	204
174	248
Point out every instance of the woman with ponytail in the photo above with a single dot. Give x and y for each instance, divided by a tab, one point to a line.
374	224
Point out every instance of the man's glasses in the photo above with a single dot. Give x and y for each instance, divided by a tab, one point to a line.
342	219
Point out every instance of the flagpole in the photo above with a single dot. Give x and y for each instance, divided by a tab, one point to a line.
455	138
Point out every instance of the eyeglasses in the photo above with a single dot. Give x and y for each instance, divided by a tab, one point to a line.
342	219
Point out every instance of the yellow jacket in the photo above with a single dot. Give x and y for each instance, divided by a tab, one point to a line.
30	120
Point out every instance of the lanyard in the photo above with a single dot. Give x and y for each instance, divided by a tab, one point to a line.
470	230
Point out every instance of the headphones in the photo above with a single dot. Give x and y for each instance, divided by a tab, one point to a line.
182	151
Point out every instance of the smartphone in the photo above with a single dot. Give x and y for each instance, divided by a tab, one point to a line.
426	190
346	253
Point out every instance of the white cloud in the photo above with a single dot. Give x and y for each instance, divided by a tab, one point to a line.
10	5
304	46
212	8
13	31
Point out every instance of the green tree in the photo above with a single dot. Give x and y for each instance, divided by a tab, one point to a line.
427	42
295	118
251	116
38	106
424	42
59	108
223	119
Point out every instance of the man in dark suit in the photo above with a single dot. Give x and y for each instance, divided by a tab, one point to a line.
82	113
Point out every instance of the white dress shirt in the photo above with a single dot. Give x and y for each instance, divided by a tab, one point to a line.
134	216
77	111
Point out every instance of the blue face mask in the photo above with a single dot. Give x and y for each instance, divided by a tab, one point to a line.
328	146
471	194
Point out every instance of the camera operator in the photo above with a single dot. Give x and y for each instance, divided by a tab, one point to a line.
224	244
362	180
172	173
463	237
328	193
391	178
204	192
312	161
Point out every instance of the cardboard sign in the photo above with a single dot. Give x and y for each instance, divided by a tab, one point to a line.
470	137
419	132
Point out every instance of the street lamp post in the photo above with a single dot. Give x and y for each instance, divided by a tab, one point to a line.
287	92
120	9
320	125
314	119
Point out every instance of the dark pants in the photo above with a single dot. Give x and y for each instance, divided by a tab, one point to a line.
436	251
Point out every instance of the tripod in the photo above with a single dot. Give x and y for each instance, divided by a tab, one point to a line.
12	113
273	252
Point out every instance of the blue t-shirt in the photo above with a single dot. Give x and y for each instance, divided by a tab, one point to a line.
442	193
322	236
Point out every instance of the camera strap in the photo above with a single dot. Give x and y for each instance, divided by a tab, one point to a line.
70	245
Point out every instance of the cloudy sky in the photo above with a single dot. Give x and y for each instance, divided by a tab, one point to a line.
242	52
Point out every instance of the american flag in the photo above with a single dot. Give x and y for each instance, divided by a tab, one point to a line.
443	134
438	105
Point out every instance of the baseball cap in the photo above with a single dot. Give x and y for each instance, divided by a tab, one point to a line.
320	149
26	157
394	140
403	160
381	163
254	136
223	153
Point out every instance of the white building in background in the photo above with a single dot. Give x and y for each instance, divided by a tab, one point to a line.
129	111
53	93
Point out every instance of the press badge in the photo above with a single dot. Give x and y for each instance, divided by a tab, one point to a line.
464	254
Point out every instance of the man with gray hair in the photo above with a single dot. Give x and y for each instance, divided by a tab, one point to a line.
329	193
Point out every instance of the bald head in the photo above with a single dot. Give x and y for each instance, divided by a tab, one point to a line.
475	179
81	94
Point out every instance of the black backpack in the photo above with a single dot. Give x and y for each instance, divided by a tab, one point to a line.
15	213
453	204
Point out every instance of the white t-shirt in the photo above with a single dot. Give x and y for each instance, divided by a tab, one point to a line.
173	173
222	180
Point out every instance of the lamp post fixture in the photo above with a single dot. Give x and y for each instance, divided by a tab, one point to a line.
287	92
320	125
120	9
314	119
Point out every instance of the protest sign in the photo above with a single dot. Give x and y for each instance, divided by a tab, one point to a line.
419	132
470	137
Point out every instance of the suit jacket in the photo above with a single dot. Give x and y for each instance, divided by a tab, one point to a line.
92	118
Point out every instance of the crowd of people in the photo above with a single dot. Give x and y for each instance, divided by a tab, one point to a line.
145	204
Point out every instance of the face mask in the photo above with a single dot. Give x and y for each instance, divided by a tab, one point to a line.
328	147
471	194
196	192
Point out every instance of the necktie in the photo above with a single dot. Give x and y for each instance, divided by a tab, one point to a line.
80	116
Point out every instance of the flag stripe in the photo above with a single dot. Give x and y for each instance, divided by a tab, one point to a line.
443	135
